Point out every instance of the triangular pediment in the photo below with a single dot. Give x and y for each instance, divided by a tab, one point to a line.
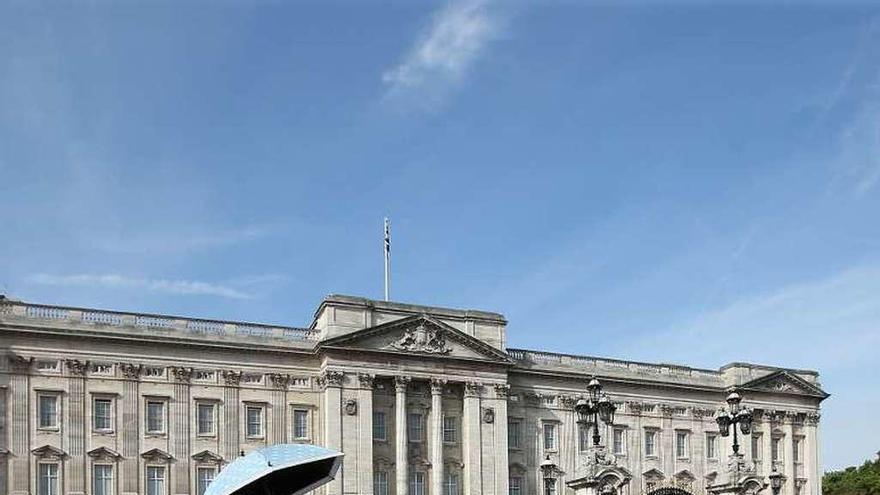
653	474
49	452
418	335
103	453
206	456
157	455
784	382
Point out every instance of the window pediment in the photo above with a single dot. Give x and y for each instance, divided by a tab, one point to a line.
103	453
157	455
207	457
49	452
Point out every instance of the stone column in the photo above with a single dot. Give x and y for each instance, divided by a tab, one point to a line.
471	439
436	430
788	455
129	428
401	444
365	438
4	448
279	407
180	434
767	443
76	430
811	454
230	441
19	429
502	478
332	382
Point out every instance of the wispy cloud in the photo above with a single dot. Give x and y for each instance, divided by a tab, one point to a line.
456	37
828	324
176	241
113	281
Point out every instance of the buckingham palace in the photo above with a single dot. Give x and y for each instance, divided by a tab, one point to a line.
421	400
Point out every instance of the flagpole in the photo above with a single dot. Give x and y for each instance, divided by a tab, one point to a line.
387	254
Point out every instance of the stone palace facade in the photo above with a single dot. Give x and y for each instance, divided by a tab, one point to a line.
421	400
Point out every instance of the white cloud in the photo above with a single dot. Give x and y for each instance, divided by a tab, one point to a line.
112	281
452	42
188	241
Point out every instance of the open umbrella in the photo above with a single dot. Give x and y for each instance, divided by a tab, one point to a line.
283	469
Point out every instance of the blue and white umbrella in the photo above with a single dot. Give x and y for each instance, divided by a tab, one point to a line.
283	469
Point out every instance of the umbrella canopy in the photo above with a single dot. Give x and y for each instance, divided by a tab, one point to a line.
283	469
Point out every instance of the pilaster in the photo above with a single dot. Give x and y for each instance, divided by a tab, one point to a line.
332	382
365	438
502	475
231	445
471	439
811	454
129	428
20	426
401	445
278	405
179	427
788	456
76	430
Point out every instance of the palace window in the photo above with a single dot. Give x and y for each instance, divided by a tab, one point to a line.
514	433
417	483
584	436
757	452
618	441
450	484
300	424
775	450
450	429
102	479
155	416
650	442
796	451
156	480
205	413
415	427
47	479
48	410
549	436
681	445
380	483
515	485
204	477
711	446
102	411
254	416
380	426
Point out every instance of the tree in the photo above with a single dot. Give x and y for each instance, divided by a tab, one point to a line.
862	480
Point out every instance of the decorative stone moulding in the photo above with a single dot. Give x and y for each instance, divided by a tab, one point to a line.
351	407
423	338
489	415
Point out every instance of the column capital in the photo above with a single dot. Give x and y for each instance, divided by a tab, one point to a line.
331	378
182	374
20	364
366	380
437	386
231	378
812	419
472	389
130	371
77	367
279	380
401	382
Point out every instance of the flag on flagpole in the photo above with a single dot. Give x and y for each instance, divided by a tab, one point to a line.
387	254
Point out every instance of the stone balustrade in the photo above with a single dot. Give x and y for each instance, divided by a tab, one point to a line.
113	319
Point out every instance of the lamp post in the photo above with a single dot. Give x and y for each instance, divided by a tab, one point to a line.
735	414
777	479
548	469
595	407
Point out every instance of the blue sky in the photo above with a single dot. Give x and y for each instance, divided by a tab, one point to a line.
685	183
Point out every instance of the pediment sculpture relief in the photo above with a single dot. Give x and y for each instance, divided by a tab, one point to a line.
423	339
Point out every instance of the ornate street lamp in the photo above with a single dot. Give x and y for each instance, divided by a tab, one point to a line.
777	479
548	469
735	414
597	406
